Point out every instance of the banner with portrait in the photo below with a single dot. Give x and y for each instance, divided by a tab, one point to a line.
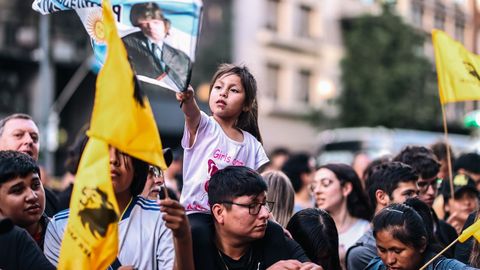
160	36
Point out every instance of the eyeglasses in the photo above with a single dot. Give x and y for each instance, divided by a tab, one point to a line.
324	182
423	185
253	208
156	172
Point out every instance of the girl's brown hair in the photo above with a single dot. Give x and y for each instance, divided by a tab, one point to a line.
248	119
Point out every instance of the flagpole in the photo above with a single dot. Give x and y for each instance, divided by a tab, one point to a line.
449	160
439	254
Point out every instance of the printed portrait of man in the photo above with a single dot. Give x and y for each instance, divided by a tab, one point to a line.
149	55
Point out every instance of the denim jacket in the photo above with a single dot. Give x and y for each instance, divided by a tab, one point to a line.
441	263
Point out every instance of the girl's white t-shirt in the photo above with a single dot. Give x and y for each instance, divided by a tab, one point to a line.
211	151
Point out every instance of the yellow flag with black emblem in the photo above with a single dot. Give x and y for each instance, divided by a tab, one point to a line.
122	118
457	69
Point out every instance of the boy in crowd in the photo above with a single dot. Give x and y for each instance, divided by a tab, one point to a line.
390	182
22	198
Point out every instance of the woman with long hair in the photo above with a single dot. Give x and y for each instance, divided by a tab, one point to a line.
337	190
281	192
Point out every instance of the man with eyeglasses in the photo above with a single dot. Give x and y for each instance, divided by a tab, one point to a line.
244	238
425	163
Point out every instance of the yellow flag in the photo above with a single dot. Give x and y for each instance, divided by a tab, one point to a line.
91	236
457	69
120	120
117	116
472	230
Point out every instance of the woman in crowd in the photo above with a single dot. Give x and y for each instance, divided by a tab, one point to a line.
337	189
315	231
404	243
281	192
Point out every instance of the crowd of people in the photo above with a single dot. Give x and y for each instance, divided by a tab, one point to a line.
223	203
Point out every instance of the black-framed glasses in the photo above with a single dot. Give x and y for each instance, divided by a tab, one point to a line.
423	185
253	208
155	171
324	182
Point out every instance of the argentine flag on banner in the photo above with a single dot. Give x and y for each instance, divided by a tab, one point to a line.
160	36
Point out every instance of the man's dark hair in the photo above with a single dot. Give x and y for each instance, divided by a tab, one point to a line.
386	177
469	162
233	182
147	11
440	150
294	167
4	120
15	164
422	159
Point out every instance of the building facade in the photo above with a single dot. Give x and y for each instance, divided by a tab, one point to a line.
294	47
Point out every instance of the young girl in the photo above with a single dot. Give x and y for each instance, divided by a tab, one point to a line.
229	137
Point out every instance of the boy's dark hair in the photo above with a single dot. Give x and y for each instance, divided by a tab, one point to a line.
232	182
469	162
386	177
422	159
294	167
248	120
15	164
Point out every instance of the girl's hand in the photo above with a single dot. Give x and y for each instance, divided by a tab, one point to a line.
185	96
175	218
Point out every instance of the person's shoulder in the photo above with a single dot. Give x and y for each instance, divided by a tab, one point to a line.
444	263
138	35
249	138
146	204
375	264
60	216
170	49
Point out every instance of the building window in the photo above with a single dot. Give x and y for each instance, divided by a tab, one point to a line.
273	76
417	13
273	14
459	29
304	22
304	85
439	16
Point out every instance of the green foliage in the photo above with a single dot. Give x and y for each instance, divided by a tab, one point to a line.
386	78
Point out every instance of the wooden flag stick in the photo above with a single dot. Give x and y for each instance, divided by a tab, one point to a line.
439	254
449	161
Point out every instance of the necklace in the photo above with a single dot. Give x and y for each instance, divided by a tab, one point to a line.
248	263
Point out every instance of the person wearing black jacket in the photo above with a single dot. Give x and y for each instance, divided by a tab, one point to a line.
18	249
22	198
243	237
